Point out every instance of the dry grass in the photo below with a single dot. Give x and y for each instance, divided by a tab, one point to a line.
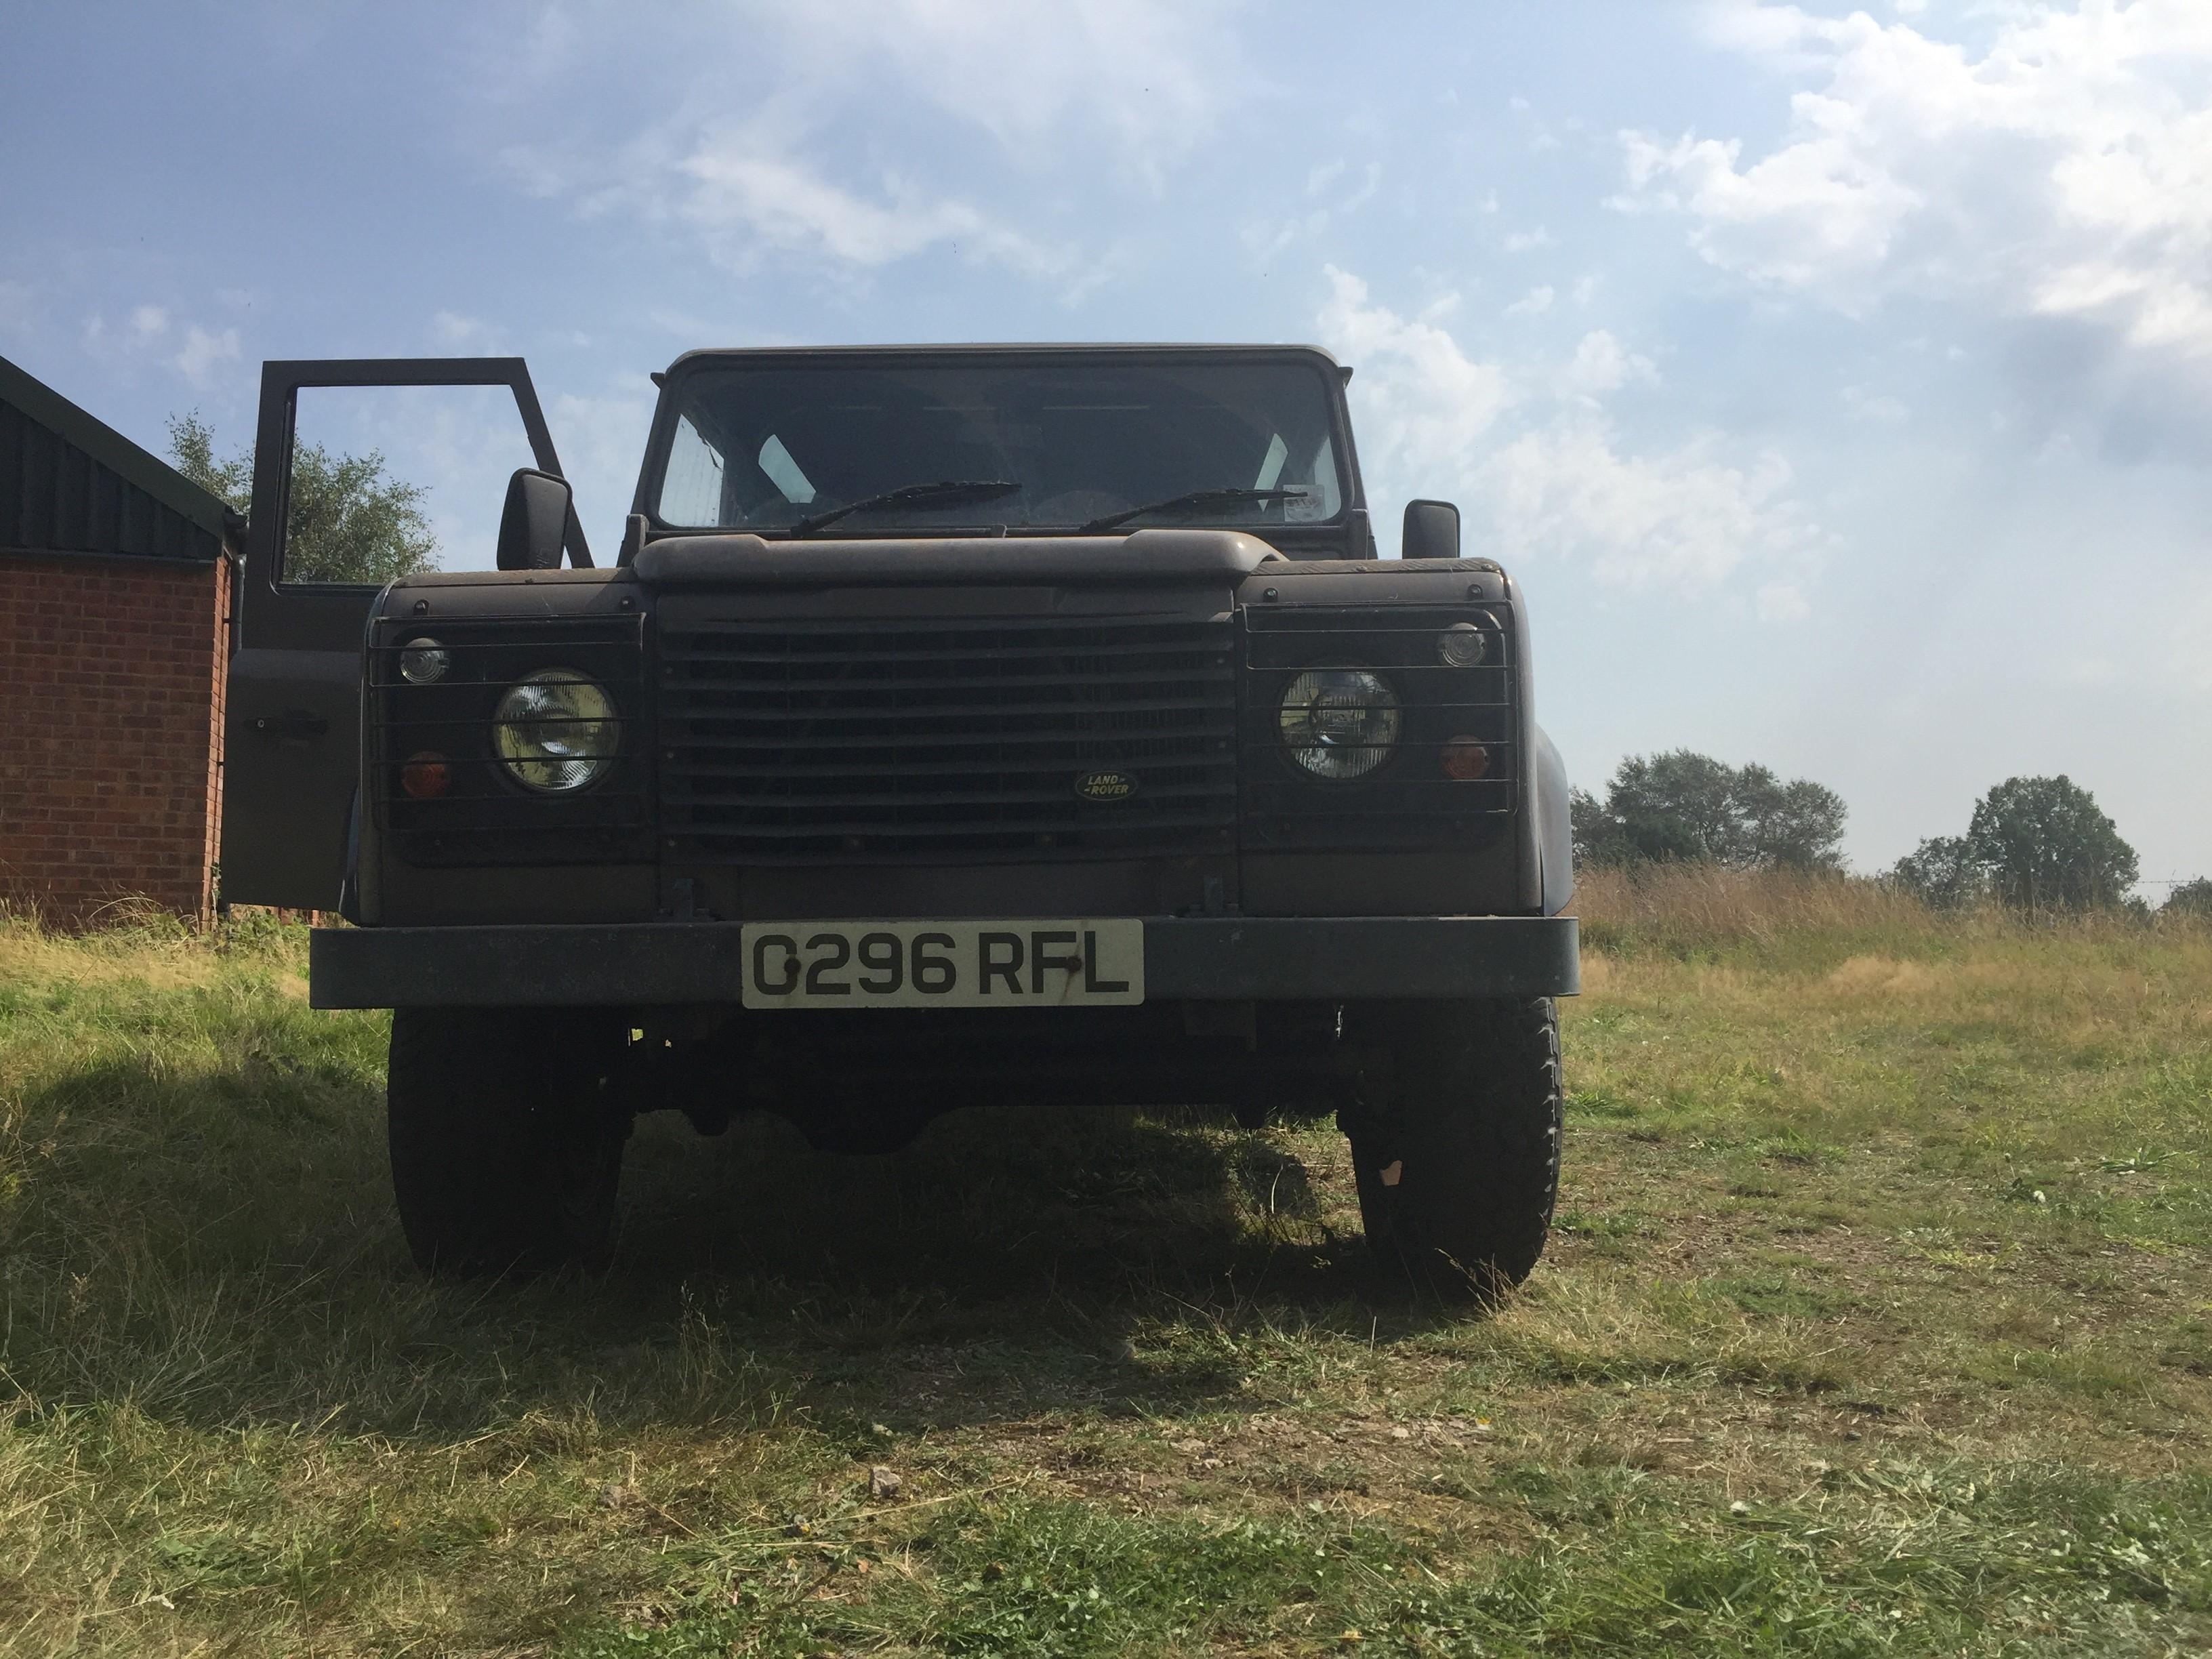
1689	909
1879	1322
1702	904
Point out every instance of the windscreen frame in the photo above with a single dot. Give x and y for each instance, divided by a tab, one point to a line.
1348	520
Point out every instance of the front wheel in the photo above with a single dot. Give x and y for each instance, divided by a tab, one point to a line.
506	1148
1458	1163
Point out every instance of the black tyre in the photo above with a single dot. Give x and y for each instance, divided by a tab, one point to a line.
1459	1167
506	1149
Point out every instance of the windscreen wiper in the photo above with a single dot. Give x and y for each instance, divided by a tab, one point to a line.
1191	501
951	492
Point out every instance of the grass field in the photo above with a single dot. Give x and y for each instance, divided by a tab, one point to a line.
1879	1322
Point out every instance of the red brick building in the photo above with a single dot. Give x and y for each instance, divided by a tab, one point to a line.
114	622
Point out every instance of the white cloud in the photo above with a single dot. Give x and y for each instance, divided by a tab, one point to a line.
147	335
1535	303
2091	671
204	352
1781	602
747	191
1602	365
2064	172
1267	237
1873	406
1438	404
1154	76
866	109
455	328
740	195
1150	76
1527	241
1685	515
1539	469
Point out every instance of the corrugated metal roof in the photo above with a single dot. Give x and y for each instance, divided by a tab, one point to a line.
71	483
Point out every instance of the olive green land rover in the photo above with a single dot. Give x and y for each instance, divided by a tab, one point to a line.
1029	725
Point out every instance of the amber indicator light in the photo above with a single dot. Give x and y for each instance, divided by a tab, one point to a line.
426	776
1464	759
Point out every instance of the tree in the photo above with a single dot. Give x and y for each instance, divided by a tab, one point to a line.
346	521
1688	807
192	445
2044	846
1796	825
2191	898
1599	838
1942	872
1676	806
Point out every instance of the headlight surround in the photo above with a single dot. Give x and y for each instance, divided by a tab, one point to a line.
555	731
1339	723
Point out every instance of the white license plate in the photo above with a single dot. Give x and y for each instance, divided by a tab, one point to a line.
944	964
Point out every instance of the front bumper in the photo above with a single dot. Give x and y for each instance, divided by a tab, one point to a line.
1187	959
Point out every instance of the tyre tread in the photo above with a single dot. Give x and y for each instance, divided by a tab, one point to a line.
475	1103
1475	1122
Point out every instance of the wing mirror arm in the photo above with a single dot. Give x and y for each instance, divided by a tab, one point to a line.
534	526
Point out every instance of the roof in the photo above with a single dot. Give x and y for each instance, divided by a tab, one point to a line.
28	490
1011	349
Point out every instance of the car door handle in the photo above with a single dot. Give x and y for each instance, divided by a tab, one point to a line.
294	723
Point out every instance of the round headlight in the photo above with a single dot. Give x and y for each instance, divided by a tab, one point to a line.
555	731
1340	722
423	662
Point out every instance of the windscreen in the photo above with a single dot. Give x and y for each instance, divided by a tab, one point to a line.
1252	444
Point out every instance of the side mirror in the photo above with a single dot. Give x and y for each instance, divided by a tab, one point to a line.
535	521
1431	530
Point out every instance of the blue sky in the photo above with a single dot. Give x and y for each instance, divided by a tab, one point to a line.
1837	381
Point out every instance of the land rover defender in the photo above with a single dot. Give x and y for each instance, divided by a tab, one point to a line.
1008	724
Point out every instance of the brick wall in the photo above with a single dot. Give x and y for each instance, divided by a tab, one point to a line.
111	732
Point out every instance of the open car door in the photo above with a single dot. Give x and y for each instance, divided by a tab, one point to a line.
292	727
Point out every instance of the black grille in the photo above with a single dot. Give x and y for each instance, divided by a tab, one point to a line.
794	742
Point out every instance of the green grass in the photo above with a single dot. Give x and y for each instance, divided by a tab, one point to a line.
1877	1323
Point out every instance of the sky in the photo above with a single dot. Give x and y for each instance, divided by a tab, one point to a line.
1836	382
